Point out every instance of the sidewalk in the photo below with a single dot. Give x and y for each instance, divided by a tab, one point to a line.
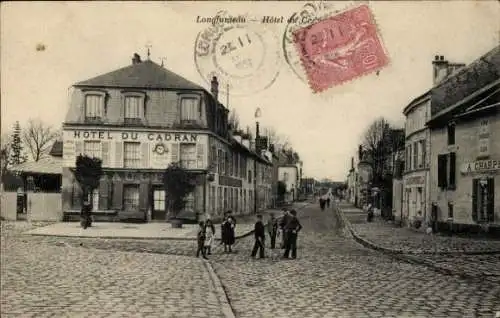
154	231
385	236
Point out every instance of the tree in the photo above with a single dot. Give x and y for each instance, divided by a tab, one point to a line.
178	184
276	139
16	146
377	146
38	137
234	121
5	150
88	173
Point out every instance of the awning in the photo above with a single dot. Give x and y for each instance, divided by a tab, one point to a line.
47	165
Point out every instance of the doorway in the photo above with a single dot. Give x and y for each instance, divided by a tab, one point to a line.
158	204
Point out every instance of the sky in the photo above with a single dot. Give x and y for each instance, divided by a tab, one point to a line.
86	39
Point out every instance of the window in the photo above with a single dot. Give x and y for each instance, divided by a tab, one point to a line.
483	200
133	109
422	154
188	156
415	155
451	134
212	199
442	178
219	198
92	148
285	176
159	200
249	176
95	199
220	161
213	159
410	166
94	107
190	109
230	164
245	201
236	201
450	210
131	197
447	171
132	155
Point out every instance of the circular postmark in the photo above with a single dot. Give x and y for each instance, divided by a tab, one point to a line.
309	14
245	57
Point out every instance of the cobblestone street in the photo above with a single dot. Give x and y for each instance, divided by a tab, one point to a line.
333	277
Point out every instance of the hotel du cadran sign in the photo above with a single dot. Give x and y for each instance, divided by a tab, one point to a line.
156	147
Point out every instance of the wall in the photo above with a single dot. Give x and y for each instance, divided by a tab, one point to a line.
8	205
44	207
111	143
397	199
291	182
466	148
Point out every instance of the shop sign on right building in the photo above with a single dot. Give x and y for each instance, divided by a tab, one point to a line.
465	148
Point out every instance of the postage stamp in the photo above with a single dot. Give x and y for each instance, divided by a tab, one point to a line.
244	56
340	48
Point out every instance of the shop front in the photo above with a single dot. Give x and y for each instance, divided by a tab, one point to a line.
415	199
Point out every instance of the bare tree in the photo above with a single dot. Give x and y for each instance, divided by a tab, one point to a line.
5	151
276	139
234	121
377	146
38	138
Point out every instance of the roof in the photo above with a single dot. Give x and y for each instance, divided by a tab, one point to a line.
416	101
145	75
466	81
57	149
47	165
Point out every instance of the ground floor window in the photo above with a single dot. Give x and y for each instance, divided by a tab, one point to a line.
245	201
236	204
190	202
95	199
159	200
225	199
483	199
131	197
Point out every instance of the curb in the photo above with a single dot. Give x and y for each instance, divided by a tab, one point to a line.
227	310
402	256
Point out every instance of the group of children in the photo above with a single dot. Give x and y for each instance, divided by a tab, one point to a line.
206	235
285	228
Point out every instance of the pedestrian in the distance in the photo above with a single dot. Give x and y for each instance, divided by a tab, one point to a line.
292	229
210	236
260	236
282	224
272	229
322	203
201	240
328	201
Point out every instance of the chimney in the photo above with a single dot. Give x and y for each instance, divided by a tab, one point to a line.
215	88
136	59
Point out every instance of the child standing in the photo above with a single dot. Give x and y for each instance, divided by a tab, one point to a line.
201	240
210	234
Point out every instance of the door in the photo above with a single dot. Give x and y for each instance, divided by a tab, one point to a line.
95	200
159	206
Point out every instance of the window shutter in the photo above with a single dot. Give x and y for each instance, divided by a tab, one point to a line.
118	194
145	155
105	153
119	154
491	200
200	155
103	194
475	184
143	195
175	152
78	148
452	169
442	171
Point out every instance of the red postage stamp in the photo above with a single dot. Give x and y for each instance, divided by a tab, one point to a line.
340	48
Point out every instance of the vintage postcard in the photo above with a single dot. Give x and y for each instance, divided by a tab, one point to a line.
250	159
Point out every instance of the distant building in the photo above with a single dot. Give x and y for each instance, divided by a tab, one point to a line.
308	186
289	174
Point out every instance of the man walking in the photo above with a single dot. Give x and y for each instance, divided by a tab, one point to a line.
292	229
272	229
260	235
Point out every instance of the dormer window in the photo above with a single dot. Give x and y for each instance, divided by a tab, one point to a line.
94	106
134	107
190	109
